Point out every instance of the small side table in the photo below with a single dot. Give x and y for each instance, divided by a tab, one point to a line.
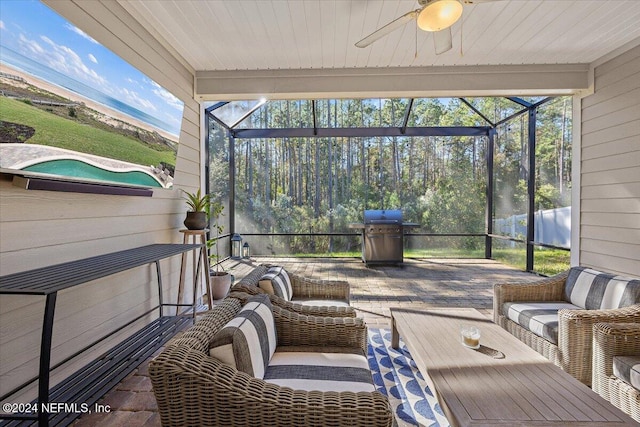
199	259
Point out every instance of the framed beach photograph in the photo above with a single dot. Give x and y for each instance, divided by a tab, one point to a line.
72	110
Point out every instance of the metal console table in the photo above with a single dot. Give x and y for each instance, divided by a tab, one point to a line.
47	281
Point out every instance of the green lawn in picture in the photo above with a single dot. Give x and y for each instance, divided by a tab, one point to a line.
59	132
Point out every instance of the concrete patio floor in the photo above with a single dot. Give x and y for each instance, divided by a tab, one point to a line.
418	283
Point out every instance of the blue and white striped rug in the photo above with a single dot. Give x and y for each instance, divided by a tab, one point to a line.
395	375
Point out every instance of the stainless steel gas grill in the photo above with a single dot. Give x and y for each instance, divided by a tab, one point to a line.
382	236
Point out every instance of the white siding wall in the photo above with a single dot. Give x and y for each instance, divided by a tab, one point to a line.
610	167
41	228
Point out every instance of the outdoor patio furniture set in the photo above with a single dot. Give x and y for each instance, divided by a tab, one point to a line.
502	382
234	367
585	321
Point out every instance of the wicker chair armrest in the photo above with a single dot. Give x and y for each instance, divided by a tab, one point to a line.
242	293
253	277
620	339
576	326
549	289
575	335
613	339
579	318
249	289
311	310
319	289
295	329
193	389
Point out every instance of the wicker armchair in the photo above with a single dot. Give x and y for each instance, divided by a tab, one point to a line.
304	289
573	353
195	389
609	340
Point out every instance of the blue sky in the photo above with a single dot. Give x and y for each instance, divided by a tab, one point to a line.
33	30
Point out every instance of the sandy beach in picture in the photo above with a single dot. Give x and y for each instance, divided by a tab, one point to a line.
60	91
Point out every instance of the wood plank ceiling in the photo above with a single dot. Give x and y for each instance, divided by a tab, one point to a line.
320	34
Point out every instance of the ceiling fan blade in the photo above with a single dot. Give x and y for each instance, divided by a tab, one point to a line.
390	27
442	40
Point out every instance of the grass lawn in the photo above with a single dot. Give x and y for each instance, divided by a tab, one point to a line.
59	132
546	261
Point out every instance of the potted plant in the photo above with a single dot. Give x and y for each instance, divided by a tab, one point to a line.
197	216
220	279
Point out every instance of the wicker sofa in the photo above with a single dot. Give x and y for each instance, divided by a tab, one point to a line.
555	315
616	365
309	296
193	388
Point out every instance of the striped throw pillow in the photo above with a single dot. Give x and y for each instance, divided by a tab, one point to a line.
249	340
594	290
276	281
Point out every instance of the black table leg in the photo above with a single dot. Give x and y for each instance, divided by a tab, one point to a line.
160	302
45	359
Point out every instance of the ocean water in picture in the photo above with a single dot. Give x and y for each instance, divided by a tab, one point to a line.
21	62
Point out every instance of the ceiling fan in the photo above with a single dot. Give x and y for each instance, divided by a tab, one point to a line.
436	16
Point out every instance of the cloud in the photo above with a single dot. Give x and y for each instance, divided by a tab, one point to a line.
174	122
133	98
81	33
61	58
66	60
169	98
31	46
138	92
1	25
166	96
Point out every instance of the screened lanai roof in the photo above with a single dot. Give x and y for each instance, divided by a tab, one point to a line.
405	151
401	116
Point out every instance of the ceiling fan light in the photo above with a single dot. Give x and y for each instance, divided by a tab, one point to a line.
439	14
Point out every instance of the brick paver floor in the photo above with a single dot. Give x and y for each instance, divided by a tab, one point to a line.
418	283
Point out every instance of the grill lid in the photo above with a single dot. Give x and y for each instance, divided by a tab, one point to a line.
376	216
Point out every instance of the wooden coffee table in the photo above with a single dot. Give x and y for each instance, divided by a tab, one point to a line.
503	383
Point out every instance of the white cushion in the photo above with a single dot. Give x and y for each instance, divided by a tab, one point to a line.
313	371
541	318
627	368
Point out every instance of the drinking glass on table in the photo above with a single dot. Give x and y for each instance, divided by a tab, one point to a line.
470	336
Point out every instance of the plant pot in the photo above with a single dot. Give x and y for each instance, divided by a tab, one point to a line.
220	284
196	220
